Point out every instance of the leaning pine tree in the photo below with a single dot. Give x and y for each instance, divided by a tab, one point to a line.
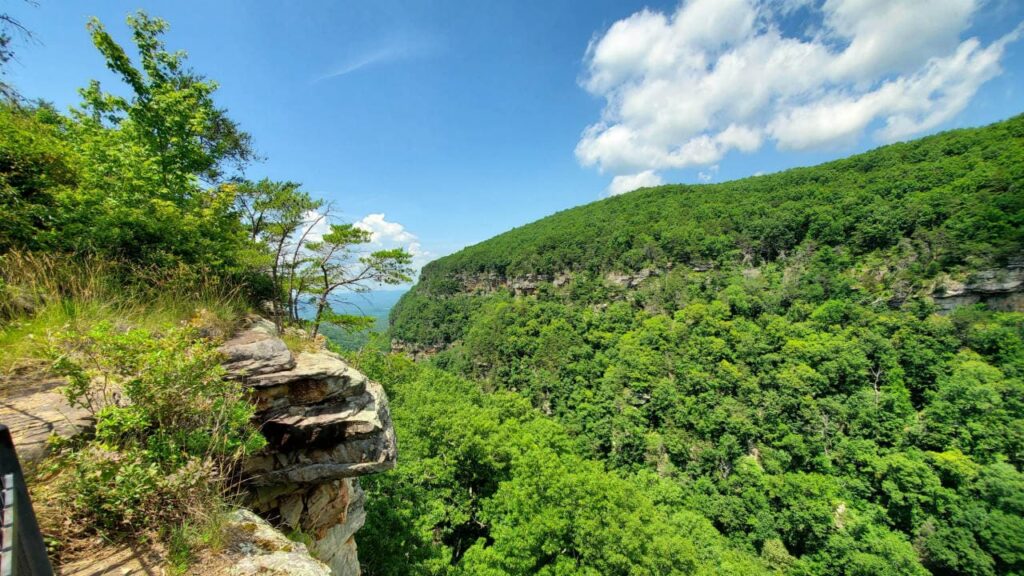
335	264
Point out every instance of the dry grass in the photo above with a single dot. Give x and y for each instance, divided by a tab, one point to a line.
45	294
298	340
66	540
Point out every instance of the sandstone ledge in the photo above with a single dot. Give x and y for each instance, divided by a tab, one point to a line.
326	424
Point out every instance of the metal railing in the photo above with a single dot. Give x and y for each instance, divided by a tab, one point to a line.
22	550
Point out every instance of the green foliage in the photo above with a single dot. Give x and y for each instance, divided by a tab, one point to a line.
136	178
852	437
878	226
349	322
149	179
143	161
36	164
487	485
169	427
131	212
276	215
333	265
171	112
783	375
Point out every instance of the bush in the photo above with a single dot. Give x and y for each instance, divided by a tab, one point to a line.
169	427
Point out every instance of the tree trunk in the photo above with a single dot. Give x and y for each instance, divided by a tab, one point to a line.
320	305
275	278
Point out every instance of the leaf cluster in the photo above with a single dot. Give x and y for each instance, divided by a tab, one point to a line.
168	427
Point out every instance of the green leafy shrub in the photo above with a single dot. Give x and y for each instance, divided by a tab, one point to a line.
169	427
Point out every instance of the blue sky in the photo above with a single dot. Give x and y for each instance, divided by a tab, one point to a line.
459	120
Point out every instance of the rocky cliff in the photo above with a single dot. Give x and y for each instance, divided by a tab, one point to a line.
528	284
326	424
1000	289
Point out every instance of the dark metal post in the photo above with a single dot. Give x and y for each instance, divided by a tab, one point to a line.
22	550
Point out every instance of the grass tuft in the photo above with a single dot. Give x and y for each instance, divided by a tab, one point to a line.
45	294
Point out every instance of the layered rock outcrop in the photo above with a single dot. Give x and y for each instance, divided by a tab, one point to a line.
326	424
526	285
629	280
1000	289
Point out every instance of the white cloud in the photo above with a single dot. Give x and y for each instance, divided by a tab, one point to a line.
315	225
886	36
381	230
405	46
630	182
684	89
362	61
384	234
388	234
709	175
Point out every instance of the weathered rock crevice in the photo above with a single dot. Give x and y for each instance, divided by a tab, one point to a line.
326	424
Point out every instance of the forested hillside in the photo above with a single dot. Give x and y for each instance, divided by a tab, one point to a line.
815	372
783	372
893	218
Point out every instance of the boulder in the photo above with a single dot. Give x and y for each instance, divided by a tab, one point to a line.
262	550
326	442
313	378
254	352
329	513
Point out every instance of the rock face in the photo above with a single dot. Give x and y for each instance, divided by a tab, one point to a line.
326	424
1001	289
528	284
627	280
416	351
257	350
261	550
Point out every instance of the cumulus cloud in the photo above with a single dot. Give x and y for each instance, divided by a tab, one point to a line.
629	182
384	234
685	89
381	230
388	234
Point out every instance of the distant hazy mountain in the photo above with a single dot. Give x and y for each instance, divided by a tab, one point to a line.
376	303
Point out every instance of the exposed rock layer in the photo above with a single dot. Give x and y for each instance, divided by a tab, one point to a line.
326	424
528	284
1000	289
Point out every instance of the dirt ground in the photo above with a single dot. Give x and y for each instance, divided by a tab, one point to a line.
32	406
